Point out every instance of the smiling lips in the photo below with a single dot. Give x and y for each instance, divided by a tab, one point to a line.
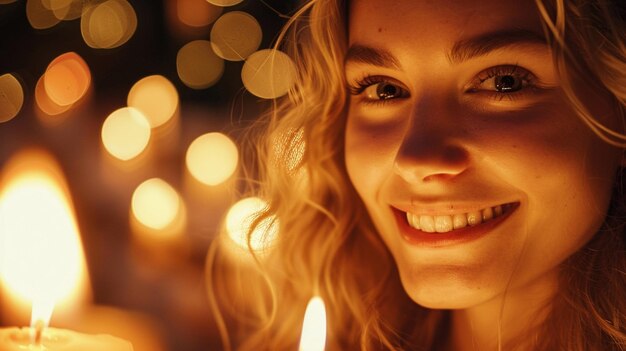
448	223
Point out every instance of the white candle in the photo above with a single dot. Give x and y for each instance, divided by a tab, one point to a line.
53	339
314	326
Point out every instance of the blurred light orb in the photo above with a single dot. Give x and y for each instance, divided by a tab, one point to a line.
39	16
197	65
224	3
67	79
268	73
240	218
236	35
45	104
156	97
125	133
11	97
155	204
212	158
66	10
108	24
197	13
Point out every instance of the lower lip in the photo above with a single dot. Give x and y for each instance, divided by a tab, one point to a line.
455	237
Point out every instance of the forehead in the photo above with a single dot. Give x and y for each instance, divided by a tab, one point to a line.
433	22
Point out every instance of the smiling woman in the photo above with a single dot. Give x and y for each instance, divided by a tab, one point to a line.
460	187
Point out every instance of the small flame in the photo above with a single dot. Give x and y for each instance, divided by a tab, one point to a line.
41	257
314	326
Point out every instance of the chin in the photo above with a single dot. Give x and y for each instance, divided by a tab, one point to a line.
446	294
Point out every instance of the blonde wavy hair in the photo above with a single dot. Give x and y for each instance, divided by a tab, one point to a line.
328	246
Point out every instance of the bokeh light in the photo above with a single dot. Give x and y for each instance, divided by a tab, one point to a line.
197	13
108	24
125	133
240	218
197	65
39	16
212	158
45	104
268	73
224	2
155	204
236	35
11	97
156	97
65	10
67	79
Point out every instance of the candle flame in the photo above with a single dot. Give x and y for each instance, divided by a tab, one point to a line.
41	258
314	326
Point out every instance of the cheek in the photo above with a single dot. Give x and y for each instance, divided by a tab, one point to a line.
370	151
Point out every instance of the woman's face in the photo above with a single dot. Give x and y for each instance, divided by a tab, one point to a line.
471	164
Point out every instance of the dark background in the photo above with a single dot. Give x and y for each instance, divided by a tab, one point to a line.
163	285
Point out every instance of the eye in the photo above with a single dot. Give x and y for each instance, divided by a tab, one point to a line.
379	89
382	91
503	80
507	83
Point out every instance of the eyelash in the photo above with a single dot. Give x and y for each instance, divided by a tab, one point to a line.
368	81
528	84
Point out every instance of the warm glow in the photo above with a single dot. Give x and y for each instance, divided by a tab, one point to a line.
155	203
314	326
45	104
40	249
268	73
224	2
236	35
108	24
39	16
2	2
198	66
125	133
197	13
65	9
212	158
11	97
240	218
67	79
156	97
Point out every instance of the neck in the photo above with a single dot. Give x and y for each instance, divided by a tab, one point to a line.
504	322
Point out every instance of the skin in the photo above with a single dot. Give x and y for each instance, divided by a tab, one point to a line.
445	142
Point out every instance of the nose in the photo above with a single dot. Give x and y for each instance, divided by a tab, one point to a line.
433	148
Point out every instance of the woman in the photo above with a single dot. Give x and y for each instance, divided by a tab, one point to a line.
460	185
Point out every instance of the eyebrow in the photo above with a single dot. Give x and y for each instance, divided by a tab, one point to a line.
461	51
474	47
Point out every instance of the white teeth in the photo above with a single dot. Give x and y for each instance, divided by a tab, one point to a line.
427	224
413	220
474	218
443	224
459	221
447	223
